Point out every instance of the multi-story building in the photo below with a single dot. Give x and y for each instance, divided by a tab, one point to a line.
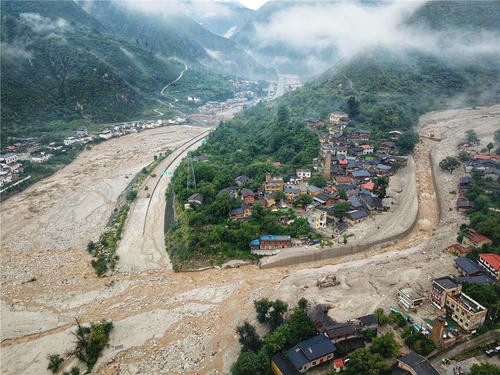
475	239
447	295
491	263
303	174
273	184
409	299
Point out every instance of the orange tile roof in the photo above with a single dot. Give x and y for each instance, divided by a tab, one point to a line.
492	259
479	238
343	162
277	164
480	156
369	185
366	146
338	363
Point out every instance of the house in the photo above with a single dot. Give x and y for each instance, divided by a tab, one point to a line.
282	366
273	184
293	178
81	133
465	183
269	200
317	219
361	135
481	279
350	189
338	117
291	193
303	174
460	250
268	242
340	150
314	122
388	148
394	134
255	244
340	228
383	170
360	175
195	199
355	202
40	158
356	216
492	173
338	364
409	299
8	158
231	190
442	287
367	149
313	190
247	211
236	214
416	365
468	267
475	239
446	294
324	199
368	185
340	180
106	134
491	263
311	352
248	196
464	205
338	332
240	180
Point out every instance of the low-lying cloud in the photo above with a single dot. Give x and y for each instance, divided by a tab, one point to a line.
346	28
42	25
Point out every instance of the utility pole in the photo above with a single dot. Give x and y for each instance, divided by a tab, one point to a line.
191	178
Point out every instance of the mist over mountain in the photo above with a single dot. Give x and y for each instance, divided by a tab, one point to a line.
321	33
162	27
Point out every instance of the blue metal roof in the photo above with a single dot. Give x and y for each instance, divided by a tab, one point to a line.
267	237
255	242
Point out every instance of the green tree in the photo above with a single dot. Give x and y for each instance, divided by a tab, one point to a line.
489	146
248	337
131	195
341	209
463	156
317	180
362	361
449	164
471	135
301	326
303	304
380	186
279	196
407	141
353	107
385	345
302	200
250	363
258	211
417	341
485	369
382	319
262	307
279	308
343	195
55	362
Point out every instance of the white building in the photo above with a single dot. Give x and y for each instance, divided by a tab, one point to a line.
69	141
105	134
40	158
303	174
8	158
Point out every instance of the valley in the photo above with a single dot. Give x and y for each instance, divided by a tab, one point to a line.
160	315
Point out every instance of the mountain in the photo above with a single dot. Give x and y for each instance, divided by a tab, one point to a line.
58	63
164	29
221	18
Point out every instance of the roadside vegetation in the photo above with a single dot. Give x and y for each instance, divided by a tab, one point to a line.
104	250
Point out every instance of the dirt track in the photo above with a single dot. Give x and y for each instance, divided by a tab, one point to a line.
181	323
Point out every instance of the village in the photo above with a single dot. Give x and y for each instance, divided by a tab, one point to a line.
346	185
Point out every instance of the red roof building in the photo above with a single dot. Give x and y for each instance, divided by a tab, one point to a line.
473	238
338	364
460	250
368	186
491	263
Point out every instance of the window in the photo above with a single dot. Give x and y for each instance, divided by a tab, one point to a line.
314	363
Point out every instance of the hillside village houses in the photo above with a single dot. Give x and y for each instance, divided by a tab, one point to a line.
350	165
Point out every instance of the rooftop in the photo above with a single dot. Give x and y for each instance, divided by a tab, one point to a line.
266	237
446	282
310	349
418	364
492	259
468	265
